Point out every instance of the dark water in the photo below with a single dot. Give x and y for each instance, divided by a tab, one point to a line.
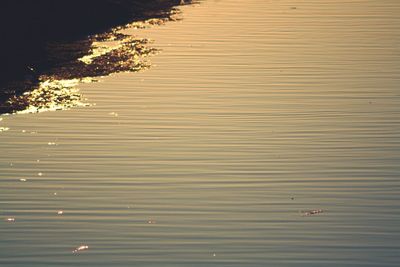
267	109
44	39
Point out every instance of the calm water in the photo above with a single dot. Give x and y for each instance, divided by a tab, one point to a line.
255	111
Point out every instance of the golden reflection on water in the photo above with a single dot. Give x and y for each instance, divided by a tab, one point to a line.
51	95
271	139
111	52
3	129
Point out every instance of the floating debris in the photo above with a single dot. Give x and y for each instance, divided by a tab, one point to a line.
311	212
51	144
23	180
10	219
80	248
40	174
151	222
60	212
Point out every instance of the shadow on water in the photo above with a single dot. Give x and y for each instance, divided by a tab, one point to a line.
44	41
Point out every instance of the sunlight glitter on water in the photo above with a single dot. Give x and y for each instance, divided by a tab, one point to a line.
271	139
51	95
111	52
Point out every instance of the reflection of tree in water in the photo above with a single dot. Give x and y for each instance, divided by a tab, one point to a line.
106	53
46	38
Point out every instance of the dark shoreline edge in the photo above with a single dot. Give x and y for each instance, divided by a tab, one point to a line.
37	35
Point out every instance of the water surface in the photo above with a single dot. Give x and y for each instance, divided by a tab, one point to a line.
255	111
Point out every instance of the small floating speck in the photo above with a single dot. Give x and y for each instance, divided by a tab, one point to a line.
151	222
51	143
10	219
113	114
60	212
23	180
40	174
55	193
214	255
80	248
311	212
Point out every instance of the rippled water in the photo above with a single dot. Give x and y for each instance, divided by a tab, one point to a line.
256	111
